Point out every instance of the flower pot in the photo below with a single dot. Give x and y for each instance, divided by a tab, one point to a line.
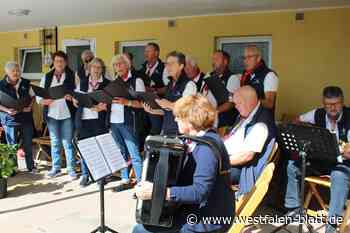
3	187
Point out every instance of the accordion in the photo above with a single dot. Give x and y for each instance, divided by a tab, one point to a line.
162	165
164	160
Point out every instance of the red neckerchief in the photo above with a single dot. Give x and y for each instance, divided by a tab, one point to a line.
234	128
58	76
125	77
149	68
204	89
94	84
247	73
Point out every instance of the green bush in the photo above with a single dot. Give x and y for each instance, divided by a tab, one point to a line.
7	160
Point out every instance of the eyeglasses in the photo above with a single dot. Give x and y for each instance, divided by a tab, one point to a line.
119	64
248	57
329	105
96	67
170	63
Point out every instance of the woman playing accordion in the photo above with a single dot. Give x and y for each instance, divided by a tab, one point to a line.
202	190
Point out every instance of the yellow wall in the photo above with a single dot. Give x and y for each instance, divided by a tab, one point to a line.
307	56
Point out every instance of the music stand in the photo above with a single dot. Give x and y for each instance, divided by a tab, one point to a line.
111	167
312	143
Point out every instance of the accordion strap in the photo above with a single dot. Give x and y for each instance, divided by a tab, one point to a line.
218	150
159	187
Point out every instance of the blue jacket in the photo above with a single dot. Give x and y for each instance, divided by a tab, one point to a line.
201	190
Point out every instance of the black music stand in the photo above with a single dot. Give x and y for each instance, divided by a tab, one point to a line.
101	182
311	143
102	228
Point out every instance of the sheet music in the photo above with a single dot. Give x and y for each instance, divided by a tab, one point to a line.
111	152
94	158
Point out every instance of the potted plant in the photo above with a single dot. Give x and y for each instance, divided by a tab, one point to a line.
7	165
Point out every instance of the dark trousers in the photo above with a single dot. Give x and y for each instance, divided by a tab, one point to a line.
235	174
156	124
25	132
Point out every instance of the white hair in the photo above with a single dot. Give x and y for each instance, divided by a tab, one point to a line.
86	53
11	65
120	57
192	61
253	48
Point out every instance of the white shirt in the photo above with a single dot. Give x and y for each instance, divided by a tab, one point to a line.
270	82
117	110
58	110
233	83
190	89
254	141
87	113
309	117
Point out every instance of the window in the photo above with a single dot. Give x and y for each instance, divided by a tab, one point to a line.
235	47
74	49
137	49
31	62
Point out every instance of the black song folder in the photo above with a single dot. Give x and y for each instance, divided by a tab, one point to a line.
149	98
54	93
17	104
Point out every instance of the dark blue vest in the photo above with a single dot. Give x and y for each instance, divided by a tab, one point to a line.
156	77
257	78
84	87
23	92
343	124
172	94
81	72
68	83
131	115
200	81
252	170
229	117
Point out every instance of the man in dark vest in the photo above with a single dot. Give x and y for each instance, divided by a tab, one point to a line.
210	87
12	120
155	78
251	140
180	85
194	73
260	77
59	115
335	117
221	71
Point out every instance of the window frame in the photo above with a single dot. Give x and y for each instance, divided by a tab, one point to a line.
123	44
80	42
22	60
248	39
